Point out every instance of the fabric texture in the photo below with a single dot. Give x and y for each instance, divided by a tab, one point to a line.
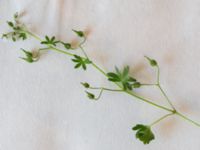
44	107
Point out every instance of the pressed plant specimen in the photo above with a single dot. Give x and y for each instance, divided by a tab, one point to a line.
120	77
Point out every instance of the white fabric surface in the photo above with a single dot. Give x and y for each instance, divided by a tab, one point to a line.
43	106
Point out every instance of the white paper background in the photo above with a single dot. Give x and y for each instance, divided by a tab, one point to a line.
43	106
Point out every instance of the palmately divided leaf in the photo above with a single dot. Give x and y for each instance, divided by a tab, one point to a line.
113	77
17	32
81	62
50	41
23	36
144	133
122	77
30	58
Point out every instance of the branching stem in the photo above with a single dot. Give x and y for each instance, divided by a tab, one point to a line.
172	111
160	119
166	97
161	89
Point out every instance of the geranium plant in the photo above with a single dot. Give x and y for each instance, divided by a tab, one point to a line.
120	77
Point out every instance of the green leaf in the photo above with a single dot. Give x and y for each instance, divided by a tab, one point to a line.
23	36
113	77
27	53
144	133
29	60
122	77
90	95
152	62
131	79
29	56
50	41
47	38
126	71
17	28
79	33
81	62
17	31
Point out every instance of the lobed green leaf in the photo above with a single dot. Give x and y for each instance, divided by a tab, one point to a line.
81	62
122	77
144	133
